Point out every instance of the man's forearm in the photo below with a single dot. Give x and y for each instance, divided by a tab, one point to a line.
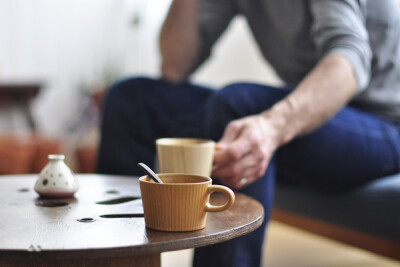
318	97
179	40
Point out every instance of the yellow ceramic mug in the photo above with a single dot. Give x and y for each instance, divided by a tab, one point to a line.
181	203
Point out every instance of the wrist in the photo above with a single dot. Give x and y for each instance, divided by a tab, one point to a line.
280	118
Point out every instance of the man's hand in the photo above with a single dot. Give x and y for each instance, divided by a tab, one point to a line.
243	153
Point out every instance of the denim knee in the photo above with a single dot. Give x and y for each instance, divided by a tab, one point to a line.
129	89
236	101
249	99
218	113
237	98
233	101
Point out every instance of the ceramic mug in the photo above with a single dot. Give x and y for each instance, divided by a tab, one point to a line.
181	203
185	155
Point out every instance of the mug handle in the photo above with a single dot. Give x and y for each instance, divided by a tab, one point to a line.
226	191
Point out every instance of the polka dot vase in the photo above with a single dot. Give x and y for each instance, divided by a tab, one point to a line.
56	180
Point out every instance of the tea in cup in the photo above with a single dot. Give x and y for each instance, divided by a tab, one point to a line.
181	202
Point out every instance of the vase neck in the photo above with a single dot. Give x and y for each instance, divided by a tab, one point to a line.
56	157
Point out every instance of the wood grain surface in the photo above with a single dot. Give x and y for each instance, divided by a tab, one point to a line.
76	229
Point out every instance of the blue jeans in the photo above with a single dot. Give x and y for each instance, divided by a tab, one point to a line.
349	150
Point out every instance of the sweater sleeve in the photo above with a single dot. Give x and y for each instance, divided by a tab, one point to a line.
339	28
214	18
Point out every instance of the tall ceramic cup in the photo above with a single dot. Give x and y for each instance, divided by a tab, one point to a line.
185	155
181	203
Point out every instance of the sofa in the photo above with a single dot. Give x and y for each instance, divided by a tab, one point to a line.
368	217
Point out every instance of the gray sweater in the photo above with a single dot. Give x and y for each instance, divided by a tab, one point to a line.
294	34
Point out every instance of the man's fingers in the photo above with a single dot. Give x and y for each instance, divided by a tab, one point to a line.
232	131
236	169
232	152
248	176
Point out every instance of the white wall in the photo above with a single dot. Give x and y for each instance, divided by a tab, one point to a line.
67	43
236	57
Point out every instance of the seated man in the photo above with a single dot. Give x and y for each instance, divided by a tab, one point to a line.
334	126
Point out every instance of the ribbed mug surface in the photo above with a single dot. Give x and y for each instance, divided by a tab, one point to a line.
179	204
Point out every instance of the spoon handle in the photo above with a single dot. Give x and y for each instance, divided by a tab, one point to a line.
150	172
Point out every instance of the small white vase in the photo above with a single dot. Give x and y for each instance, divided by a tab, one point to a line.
56	179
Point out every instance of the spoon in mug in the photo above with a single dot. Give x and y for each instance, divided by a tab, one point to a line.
150	172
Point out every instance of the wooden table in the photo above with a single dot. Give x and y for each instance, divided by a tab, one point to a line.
83	231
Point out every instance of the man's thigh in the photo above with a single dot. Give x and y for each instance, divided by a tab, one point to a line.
350	149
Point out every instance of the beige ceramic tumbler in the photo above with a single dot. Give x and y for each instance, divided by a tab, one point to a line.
185	155
181	202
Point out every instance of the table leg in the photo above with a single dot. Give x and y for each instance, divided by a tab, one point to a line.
28	114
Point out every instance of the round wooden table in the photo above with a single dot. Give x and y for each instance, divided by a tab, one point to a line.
102	225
